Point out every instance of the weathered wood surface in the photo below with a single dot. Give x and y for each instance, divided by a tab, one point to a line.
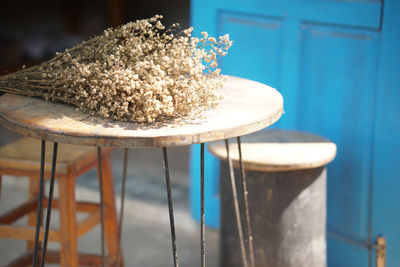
24	155
247	107
26	233
21	158
276	150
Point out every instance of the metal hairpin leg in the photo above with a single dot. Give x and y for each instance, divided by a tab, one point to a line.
100	175
236	204
170	206
121	213
39	207
50	200
246	203
202	228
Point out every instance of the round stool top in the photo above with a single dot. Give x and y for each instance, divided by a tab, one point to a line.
247	106
278	150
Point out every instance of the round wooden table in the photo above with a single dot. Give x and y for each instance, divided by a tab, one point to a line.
247	107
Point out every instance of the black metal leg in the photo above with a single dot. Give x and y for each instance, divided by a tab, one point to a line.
50	200
39	208
202	217
100	175
121	213
236	204
170	206
246	203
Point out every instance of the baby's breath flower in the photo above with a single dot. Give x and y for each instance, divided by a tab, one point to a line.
139	72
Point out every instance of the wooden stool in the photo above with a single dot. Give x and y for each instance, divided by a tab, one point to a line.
286	182
21	158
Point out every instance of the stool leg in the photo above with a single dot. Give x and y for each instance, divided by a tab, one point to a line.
68	226
33	193
121	212
110	215
100	178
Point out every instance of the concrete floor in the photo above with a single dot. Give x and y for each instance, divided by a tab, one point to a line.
146	232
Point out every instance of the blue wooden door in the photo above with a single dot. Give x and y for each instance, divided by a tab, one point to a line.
337	65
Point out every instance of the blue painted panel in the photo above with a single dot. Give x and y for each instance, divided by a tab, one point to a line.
340	76
256	53
337	86
203	16
386	166
340	253
363	14
289	79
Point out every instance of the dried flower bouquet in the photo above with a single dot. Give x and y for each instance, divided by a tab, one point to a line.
140	72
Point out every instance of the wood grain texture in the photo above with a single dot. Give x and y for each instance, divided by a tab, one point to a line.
22	158
24	155
26	233
110	215
18	212
247	107
276	150
68	223
88	223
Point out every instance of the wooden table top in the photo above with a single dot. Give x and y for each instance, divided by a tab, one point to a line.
247	107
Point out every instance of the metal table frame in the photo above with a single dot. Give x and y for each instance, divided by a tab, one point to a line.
246	255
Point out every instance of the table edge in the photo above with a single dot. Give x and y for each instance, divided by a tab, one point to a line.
141	142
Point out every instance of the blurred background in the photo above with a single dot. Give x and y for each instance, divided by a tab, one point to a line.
32	32
337	64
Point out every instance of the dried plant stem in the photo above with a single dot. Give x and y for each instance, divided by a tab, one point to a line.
139	72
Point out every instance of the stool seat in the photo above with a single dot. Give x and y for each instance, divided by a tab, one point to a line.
285	178
22	159
277	150
24	155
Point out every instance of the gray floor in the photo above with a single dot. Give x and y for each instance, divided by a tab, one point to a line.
146	235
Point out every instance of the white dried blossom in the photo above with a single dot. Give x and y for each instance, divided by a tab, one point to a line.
139	72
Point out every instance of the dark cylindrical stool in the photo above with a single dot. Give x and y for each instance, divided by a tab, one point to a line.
286	181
